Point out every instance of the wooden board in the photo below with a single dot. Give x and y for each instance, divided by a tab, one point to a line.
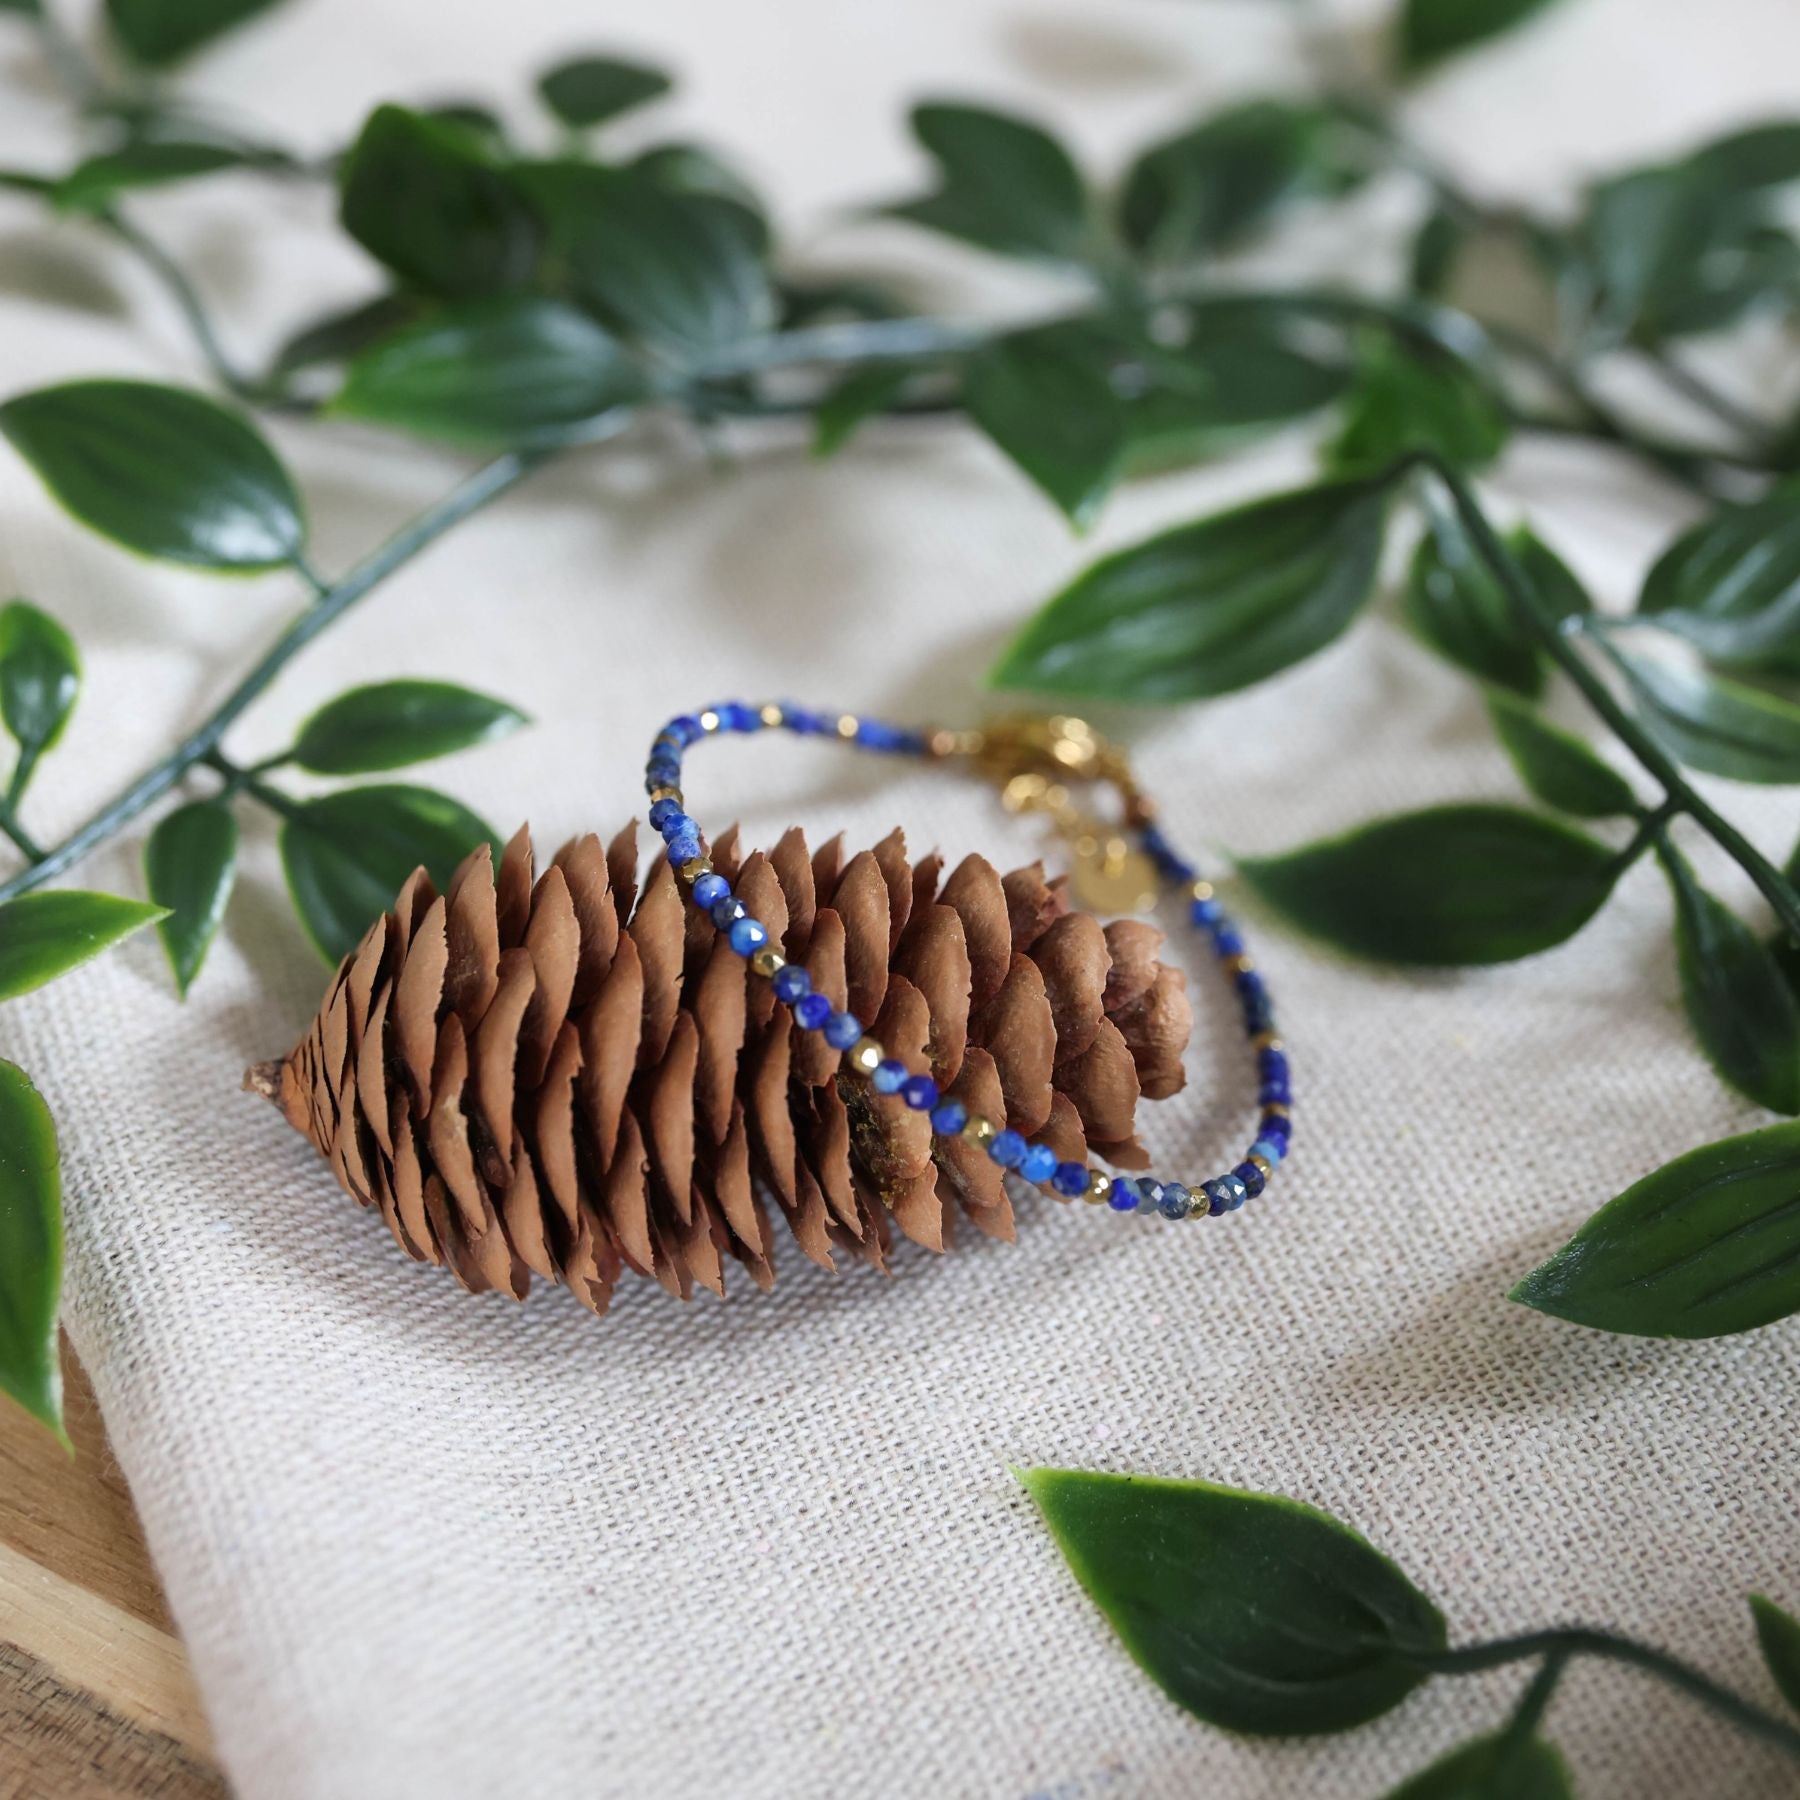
96	1700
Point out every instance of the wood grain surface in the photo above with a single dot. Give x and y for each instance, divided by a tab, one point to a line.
96	1700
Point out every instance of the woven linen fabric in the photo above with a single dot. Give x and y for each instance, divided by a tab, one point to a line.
421	1545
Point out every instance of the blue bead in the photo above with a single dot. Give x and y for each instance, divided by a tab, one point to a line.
734	715
1270	1151
1123	1198
1206	912
686	729
676	823
709	890
1272	1065
1149	1192
791	984
1249	985
1235	1191
684	849
1007	1148
1040	1164
660	810
1071	1178
1274	1093
1277	1126
748	935
1252	1178
1173	1201
1217	1200
1227	942
812	1010
948	1117
843	1031
890	1076
919	1092
727	912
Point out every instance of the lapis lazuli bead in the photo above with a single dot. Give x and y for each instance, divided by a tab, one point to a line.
1277	1126
1270	1151
1007	1148
1124	1195
1227	941
659	811
1174	1201
727	912
1071	1179
1217	1200
1274	1093
676	822
686	729
1272	1065
1235	1191
791	984
749	936
1039	1163
1206	912
734	715
812	1010
919	1092
843	1030
1252	1178
684	849
890	1076
948	1117
709	890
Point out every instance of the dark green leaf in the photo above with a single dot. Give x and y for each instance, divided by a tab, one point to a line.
1705	1246
1435	251
1257	1614
46	934
22	181
1555	764
1778	1633
153	162
480	122
1043	396
348	854
190	864
338	336
589	90
158	32
393	723
502	370
856	399
32	7
1715	724
31	1242
1731	586
1003	183
1741	1008
1433	29
40	674
1457	606
1210	607
1760	156
426	199
1405	399
693	169
1210	186
1448	886
162	471
683	270
1499	1767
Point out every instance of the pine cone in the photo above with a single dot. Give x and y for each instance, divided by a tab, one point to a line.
533	1076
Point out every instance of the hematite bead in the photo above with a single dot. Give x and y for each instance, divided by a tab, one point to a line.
919	1092
1071	1178
750	934
709	890
792	984
812	1010
1039	1163
1174	1201
889	1077
1252	1178
727	912
842	1030
1007	1149
948	1117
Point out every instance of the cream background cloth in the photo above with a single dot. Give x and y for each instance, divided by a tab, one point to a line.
422	1546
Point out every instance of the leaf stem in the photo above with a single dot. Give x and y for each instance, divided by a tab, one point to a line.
1529	1713
10	827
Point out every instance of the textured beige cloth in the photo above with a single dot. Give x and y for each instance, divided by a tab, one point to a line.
426	1546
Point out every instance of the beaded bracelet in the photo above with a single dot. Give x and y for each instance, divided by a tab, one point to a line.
1032	757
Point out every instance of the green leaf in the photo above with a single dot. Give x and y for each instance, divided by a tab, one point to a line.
1558	767
190	864
1004	184
1449	886
337	336
1209	607
1405	399
589	90
856	399
426	199
33	8
1742	1010
162	471
693	169
1715	724
1212	185
682	270
1457	606
46	934
505	370
1044	398
1778	1633
1436	250
40	675
1255	1613
1430	30
1731	586
1499	1767
348	854
393	723
159	32
1756	157
151	162
1705	1246
31	1243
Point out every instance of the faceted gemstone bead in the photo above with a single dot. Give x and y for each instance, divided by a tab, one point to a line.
919	1092
684	849
750	934
726	912
1007	1149
1227	941
1206	912
1274	1093
812	1011
1217	1200
1272	1065
1124	1195
678	824
1039	1163
1070	1179
709	890
890	1076
842	1030
1235	1191
1270	1151
1252	1178
734	715
1174	1201
661	811
792	984
686	729
948	1117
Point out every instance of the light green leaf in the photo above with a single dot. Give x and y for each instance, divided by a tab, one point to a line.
1705	1246
859	397
160	470
1430	30
589	90
151	162
160	32
40	675
1715	724
348	854
390	724
1778	1633
31	1244
1210	607
1499	1767
1255	1613
510	369
1557	766
190	864
46	934
1449	886
1405	399
1739	1003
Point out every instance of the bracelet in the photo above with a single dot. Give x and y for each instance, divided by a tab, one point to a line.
1033	758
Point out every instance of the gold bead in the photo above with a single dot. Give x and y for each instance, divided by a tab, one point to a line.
695	867
1099	1188
1277	1109
979	1130
1262	1163
1267	1040
865	1056
1201	890
1236	965
665	793
770	713
767	961
848	725
709	720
